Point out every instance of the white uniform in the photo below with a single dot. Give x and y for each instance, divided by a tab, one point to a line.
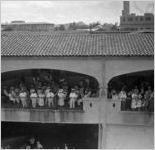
134	100
34	97
41	99
114	97
61	100
122	96
12	96
17	98
139	101
50	96
23	98
47	91
73	97
39	146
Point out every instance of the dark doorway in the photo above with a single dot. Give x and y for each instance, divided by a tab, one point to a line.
51	136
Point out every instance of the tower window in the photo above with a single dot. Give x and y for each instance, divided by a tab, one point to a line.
136	19
148	19
130	19
141	18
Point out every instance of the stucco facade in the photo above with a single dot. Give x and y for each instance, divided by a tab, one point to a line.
102	68
114	126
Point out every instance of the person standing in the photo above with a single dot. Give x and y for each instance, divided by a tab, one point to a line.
139	102
50	98
17	98
123	97
147	97
32	143
61	98
23	98
39	145
73	98
151	103
134	99
114	97
33	97
10	94
41	98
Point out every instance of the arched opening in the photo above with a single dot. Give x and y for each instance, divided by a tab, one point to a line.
45	80
134	90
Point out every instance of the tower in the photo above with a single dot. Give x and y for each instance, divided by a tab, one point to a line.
126	8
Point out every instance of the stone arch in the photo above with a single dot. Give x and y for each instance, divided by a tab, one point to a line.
26	75
83	66
116	67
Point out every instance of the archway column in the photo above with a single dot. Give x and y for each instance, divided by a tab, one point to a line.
102	109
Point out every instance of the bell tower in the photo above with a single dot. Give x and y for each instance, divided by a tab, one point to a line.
126	8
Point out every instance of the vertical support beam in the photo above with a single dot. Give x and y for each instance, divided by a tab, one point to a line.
102	110
100	131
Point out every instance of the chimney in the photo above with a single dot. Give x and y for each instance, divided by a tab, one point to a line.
126	8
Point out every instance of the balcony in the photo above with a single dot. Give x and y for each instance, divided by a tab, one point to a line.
85	113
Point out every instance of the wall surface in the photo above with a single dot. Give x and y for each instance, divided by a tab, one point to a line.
89	114
120	129
88	66
93	66
116	66
116	116
129	137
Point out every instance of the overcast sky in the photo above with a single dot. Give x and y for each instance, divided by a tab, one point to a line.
68	11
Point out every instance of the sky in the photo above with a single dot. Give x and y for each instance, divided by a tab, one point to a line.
59	12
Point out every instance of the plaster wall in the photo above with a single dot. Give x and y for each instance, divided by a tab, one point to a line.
116	116
93	66
88	66
129	137
116	66
120	130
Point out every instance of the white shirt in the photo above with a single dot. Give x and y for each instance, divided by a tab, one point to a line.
33	95
61	98
73	95
134	96
50	95
41	99
114	97
47	91
11	97
23	95
61	95
122	95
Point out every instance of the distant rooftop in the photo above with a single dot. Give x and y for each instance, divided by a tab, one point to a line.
25	23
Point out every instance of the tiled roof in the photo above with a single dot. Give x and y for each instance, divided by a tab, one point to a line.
76	44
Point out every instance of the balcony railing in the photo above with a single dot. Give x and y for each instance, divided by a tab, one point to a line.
148	106
6	103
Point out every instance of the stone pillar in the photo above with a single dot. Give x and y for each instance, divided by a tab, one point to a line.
102	117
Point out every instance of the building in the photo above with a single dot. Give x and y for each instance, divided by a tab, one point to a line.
105	58
131	21
22	26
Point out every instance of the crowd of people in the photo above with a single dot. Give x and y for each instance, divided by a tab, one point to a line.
43	94
34	143
31	143
135	99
